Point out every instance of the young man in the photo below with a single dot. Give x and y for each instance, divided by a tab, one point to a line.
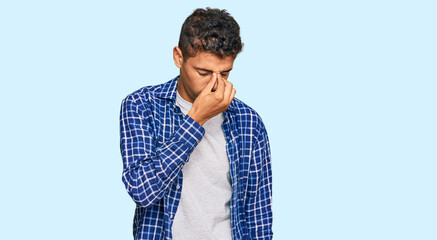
196	160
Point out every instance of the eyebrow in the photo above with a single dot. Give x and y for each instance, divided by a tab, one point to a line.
210	71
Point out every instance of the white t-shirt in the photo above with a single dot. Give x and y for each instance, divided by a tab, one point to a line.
203	211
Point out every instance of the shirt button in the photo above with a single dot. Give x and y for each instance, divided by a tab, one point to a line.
171	216
177	186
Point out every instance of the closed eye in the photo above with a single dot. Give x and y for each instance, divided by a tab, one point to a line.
204	72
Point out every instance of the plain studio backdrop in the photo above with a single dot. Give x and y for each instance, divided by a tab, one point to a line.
347	90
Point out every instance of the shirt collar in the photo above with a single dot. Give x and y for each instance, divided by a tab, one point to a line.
168	90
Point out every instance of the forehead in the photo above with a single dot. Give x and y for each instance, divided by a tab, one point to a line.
210	61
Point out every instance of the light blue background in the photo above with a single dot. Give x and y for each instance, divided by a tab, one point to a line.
347	90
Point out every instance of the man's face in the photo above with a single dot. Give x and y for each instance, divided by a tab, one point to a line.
196	72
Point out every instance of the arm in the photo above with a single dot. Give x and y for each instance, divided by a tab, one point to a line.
148	170
259	203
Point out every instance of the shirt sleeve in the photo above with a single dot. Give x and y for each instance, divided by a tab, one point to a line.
148	169
259	203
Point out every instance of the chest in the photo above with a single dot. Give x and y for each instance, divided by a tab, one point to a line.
235	134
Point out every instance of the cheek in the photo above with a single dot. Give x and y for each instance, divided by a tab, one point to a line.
202	82
197	83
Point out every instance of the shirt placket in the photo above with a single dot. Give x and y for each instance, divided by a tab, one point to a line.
175	190
228	125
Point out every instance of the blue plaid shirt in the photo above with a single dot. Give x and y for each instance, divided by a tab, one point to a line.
157	140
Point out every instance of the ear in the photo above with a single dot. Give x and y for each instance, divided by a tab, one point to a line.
177	57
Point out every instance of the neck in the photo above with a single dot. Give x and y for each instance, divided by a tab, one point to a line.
182	90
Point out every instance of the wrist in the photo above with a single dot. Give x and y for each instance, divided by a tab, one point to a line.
195	116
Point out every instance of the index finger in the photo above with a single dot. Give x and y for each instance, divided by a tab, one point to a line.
209	87
221	84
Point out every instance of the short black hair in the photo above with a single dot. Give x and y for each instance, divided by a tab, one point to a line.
210	30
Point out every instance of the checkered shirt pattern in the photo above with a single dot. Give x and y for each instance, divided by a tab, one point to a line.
156	140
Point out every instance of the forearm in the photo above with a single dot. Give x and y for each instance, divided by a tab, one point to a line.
149	170
259	210
260	218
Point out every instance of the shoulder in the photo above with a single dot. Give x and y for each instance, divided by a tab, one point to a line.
248	117
149	94
142	93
